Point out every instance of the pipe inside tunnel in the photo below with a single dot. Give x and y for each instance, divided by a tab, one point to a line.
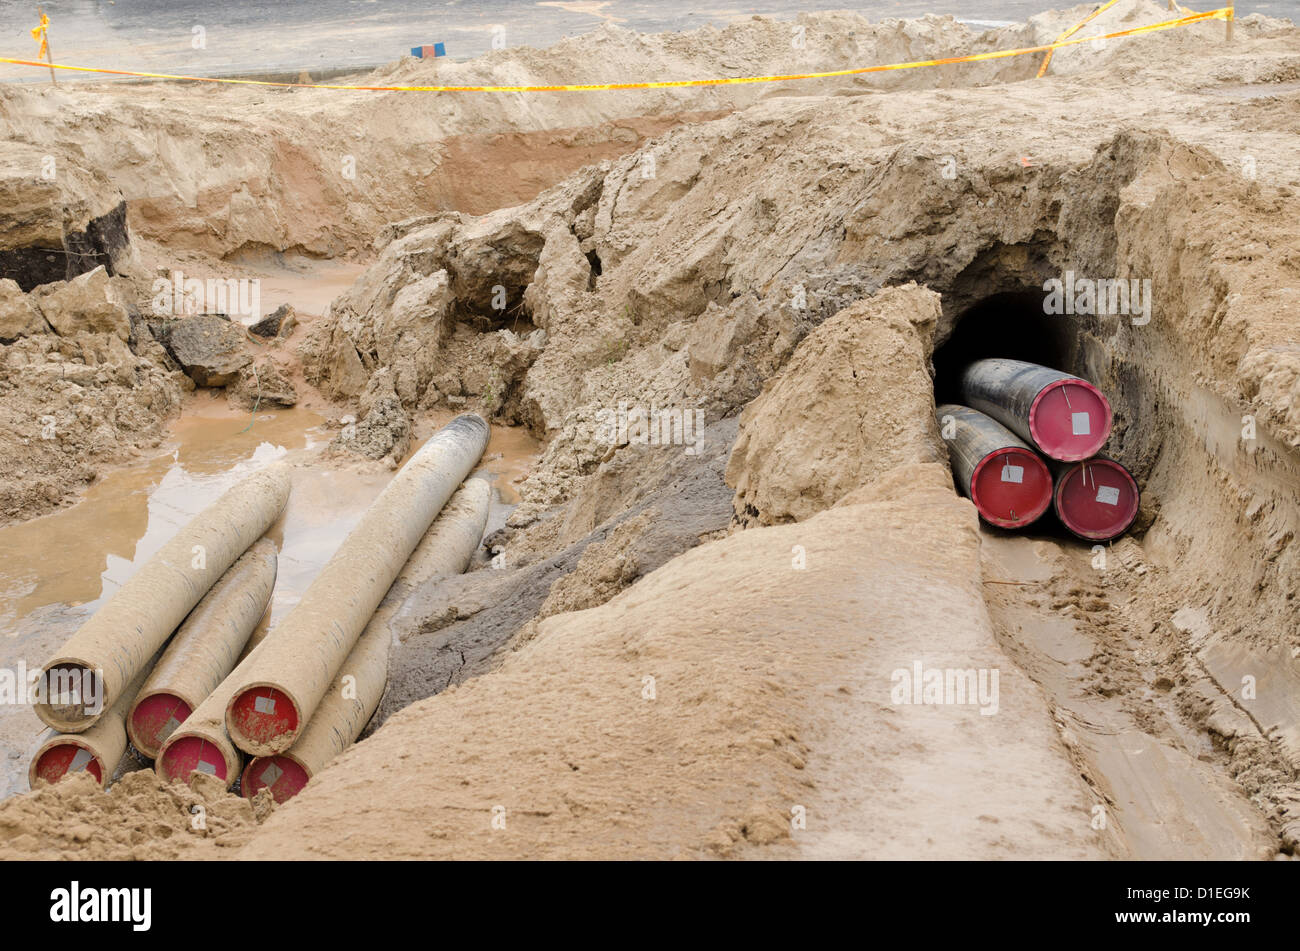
1008	324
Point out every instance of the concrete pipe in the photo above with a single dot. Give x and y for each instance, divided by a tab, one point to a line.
205	649
1096	500
96	750
1009	484
1062	416
111	647
294	668
356	691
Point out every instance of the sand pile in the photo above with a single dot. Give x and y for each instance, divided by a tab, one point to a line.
693	716
139	818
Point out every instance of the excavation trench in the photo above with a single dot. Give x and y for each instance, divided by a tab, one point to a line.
1146	688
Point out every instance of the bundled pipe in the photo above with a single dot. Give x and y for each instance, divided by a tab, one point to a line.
112	647
201	742
1009	484
1062	416
289	674
358	687
1096	500
205	648
96	750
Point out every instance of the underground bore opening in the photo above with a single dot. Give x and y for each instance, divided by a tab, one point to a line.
1008	324
1011	325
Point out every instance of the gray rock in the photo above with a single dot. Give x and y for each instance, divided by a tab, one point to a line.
209	348
273	323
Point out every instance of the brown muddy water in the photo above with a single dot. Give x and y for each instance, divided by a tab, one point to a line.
55	571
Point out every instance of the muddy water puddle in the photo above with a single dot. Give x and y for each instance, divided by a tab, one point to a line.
57	570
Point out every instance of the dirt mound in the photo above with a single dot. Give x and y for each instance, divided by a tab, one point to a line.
140	817
816	433
97	392
690	717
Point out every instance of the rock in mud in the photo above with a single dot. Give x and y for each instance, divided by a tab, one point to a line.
89	303
261	384
209	348
384	430
279	323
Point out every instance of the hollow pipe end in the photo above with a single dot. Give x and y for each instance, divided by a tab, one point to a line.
63	755
263	720
62	689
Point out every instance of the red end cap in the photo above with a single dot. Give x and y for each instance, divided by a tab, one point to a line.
1011	487
285	777
188	754
58	761
1097	500
1070	420
262	713
155	718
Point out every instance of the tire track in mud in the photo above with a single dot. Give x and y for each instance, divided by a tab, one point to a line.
1163	789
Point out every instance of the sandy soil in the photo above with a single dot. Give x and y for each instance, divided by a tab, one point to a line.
629	677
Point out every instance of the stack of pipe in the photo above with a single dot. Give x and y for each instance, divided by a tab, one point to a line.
1012	413
214	572
315	679
177	660
355	693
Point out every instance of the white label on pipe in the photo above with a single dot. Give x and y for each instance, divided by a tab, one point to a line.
203	766
264	705
79	761
170	727
1081	423
1108	494
1013	473
271	774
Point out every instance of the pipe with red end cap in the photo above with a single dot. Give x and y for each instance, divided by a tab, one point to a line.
204	649
1008	482
293	669
1062	416
97	750
1097	500
446	549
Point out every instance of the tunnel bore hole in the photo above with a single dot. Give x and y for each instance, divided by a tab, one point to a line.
1010	324
1007	324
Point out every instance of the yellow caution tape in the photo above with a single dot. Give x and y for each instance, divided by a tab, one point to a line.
1222	14
1073	30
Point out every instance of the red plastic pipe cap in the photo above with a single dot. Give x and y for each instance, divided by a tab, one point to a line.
1097	499
283	775
156	717
1011	487
1070	420
188	754
58	761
